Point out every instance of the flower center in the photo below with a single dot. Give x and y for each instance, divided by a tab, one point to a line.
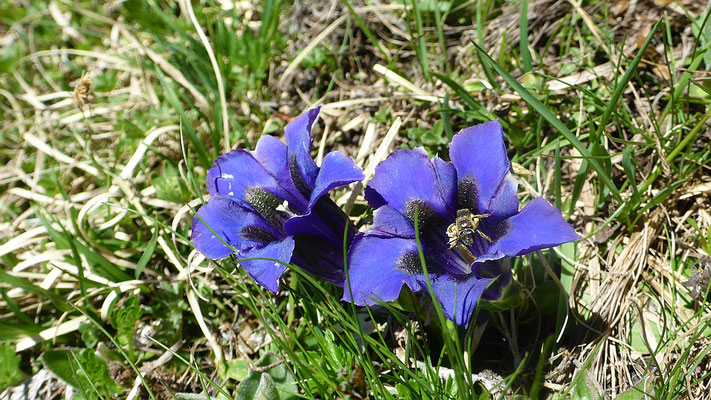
267	205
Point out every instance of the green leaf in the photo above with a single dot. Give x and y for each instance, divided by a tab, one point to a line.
124	319
332	348
373	39
580	387
247	389
170	185
106	81
12	306
636	393
628	166
622	84
9	366
58	361
511	299
201	396
99	264
421	49
130	129
280	382
146	256
637	336
89	335
9	55
430	138
659	197
586	389
267	389
471	101
702	29
30	287
83	370
567	275
237	369
14	330
523	37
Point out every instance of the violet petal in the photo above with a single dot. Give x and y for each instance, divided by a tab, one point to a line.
378	267
387	221
447	179
479	156
234	173
263	268
459	295
237	225
272	154
538	226
336	170
302	167
408	175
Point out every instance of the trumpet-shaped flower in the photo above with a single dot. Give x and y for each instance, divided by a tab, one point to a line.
468	218
270	207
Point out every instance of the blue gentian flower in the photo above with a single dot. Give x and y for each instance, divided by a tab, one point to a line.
272	203
468	218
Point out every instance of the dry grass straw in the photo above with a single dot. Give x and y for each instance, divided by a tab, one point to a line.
631	290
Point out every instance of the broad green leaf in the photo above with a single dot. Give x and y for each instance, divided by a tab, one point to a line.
9	366
83	370
266	389
170	186
237	369
702	29
636	393
254	386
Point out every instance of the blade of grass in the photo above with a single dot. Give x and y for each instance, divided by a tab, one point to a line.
446	117
523	37
30	287
172	98
540	366
471	102
187	5
622	84
147	253
628	166
688	138
119	348
99	264
558	187
444	59
480	37
15	309
421	48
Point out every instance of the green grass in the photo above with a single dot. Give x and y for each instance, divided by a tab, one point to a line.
96	203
